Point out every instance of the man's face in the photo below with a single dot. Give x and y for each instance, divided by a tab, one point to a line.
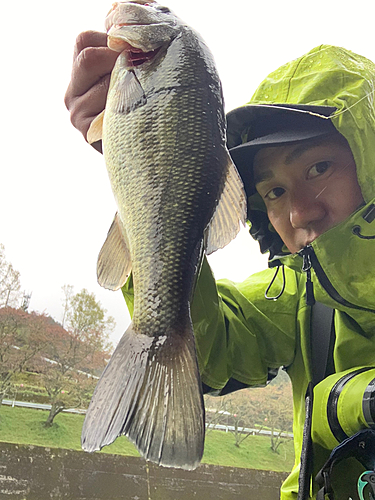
308	187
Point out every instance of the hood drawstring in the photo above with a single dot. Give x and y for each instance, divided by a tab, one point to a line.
357	231
368	216
272	282
306	268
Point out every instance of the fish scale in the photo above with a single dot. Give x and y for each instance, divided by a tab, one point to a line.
136	183
178	193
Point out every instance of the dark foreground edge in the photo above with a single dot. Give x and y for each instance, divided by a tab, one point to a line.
35	473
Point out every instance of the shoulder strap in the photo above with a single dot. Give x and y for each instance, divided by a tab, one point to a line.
322	339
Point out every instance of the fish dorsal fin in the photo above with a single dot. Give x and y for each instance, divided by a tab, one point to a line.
230	212
114	263
129	93
95	131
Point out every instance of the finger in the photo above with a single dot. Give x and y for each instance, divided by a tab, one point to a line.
86	107
89	39
91	65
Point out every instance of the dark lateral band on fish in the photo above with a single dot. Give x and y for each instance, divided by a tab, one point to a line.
178	193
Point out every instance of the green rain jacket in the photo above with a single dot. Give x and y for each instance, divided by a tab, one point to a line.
242	336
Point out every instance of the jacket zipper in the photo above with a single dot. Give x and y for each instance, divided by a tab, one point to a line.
306	268
310	260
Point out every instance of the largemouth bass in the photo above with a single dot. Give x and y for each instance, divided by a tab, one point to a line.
178	194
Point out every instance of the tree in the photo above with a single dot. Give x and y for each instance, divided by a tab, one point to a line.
256	408
229	411
23	336
277	421
10	285
68	293
239	434
215	413
278	415
77	353
272	408
86	320
66	388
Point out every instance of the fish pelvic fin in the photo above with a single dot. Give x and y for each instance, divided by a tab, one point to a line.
114	262
95	131
230	211
151	392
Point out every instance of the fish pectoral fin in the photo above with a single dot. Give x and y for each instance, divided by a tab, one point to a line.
151	392
95	131
114	263
129	93
229	214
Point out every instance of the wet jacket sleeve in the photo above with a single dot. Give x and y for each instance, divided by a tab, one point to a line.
239	334
344	403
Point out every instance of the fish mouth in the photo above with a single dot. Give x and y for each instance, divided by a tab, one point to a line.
136	57
119	43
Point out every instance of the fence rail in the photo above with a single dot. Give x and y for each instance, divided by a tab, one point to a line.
220	427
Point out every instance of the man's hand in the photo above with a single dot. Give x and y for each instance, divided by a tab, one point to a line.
86	95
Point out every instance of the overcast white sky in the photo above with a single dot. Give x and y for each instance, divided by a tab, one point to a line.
56	205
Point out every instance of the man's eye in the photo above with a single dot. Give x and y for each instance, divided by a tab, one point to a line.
275	193
318	169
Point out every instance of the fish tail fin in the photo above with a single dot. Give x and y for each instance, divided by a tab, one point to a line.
151	392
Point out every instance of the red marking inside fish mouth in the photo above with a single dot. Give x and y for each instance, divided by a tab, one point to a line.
136	57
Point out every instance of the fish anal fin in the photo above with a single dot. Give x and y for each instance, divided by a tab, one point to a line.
114	262
129	93
229	214
95	131
151	392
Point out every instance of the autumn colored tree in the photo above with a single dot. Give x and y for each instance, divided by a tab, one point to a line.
77	353
23	337
87	320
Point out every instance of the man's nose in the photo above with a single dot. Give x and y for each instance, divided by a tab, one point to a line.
306	208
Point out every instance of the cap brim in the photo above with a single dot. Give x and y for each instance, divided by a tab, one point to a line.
272	125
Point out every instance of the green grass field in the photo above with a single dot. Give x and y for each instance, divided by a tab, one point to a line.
25	426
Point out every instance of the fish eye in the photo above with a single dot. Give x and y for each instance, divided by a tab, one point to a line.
164	9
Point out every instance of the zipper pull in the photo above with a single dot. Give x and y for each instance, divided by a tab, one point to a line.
306	268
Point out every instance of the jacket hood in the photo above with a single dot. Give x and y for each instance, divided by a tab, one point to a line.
342	84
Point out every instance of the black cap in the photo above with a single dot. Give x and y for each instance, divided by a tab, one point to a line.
272	125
